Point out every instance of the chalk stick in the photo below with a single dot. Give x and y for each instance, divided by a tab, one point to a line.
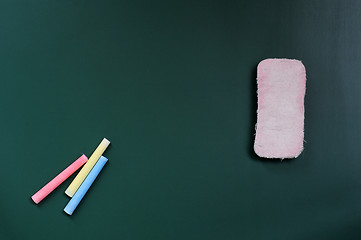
61	177
78	196
75	184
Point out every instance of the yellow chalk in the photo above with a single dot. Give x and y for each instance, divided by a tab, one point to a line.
78	180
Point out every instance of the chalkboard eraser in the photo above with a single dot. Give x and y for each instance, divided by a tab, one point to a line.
280	115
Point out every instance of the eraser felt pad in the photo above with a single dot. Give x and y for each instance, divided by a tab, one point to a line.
280	115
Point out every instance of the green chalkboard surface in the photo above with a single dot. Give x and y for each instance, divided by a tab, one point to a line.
172	84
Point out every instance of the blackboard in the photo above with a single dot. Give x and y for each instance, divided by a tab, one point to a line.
172	84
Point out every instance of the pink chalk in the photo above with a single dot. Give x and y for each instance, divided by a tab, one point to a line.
61	177
280	114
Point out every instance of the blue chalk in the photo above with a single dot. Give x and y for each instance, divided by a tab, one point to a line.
78	196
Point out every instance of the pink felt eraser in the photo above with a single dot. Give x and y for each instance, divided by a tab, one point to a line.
280	115
61	177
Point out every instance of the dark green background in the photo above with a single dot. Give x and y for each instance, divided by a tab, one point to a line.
172	84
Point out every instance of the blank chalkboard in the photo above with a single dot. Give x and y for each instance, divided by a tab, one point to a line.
172	84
